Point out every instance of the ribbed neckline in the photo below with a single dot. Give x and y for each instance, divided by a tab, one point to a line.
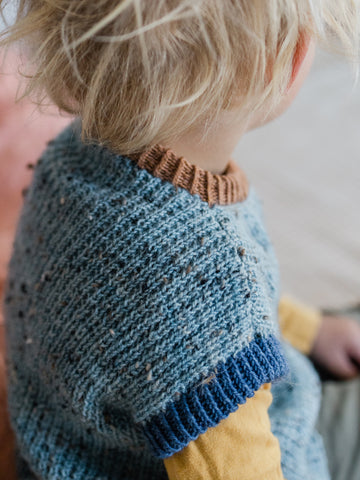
231	186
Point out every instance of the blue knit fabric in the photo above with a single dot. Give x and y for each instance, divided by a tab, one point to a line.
137	316
293	414
201	408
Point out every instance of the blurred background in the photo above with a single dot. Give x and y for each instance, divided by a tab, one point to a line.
305	166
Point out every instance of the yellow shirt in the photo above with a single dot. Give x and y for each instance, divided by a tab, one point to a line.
242	446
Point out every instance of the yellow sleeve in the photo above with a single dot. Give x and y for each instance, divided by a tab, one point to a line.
299	324
240	447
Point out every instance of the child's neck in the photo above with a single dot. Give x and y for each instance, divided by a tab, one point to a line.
215	151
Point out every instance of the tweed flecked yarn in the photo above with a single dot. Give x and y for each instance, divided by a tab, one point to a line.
293	414
137	317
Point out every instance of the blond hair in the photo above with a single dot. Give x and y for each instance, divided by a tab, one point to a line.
140	72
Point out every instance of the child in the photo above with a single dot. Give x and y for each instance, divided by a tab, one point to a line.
143	294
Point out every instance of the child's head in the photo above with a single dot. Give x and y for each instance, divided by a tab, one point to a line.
141	71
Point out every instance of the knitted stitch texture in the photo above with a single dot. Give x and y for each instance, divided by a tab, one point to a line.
137	316
293	414
230	187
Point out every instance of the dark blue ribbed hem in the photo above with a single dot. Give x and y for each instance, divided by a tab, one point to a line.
262	361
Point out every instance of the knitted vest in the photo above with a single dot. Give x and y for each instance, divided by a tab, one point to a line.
139	313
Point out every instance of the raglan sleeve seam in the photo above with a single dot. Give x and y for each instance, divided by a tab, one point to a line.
214	337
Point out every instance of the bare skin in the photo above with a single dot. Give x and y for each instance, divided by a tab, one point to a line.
336	348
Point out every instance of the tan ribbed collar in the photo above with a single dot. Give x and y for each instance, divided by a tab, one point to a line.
229	187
